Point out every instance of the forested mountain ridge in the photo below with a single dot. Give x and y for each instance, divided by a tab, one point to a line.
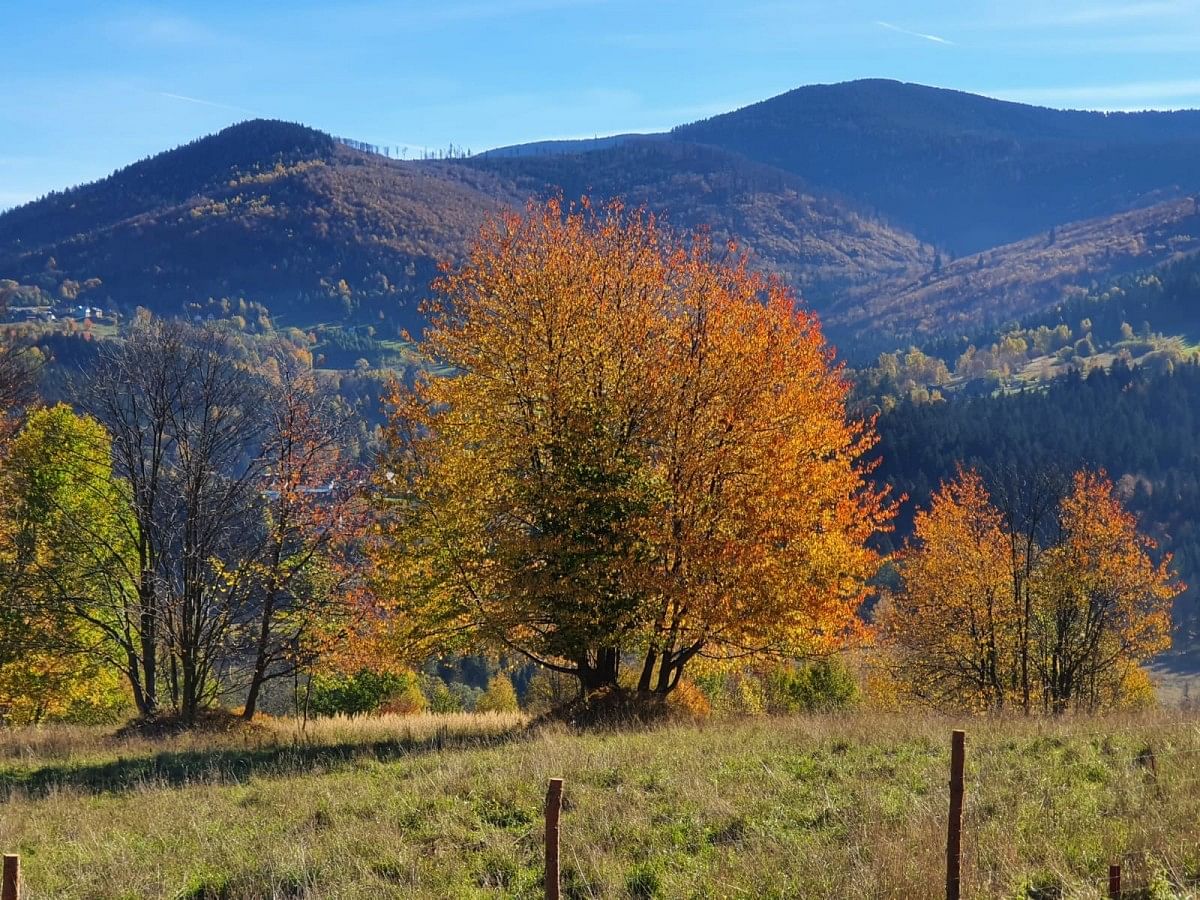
273	213
963	171
165	179
826	246
827	185
293	221
1026	276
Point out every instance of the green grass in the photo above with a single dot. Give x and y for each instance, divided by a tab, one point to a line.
852	806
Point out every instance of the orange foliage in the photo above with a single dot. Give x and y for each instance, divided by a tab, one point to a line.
636	444
969	623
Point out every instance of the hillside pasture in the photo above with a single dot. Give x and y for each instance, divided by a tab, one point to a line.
849	806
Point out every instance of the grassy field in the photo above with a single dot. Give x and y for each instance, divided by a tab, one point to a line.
852	806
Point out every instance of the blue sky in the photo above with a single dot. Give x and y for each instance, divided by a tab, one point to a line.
88	87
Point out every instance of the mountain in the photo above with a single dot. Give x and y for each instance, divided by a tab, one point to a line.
288	219
963	171
824	244
1018	279
563	146
898	210
269	212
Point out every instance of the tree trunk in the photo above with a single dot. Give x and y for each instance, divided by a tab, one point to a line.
190	689
149	636
133	671
602	674
647	671
260	659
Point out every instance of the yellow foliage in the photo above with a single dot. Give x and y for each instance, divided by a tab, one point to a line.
500	697
56	530
46	686
1134	689
990	617
688	700
409	702
632	445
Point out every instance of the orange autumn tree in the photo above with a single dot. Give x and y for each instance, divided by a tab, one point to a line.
952	632
1103	606
1092	606
632	450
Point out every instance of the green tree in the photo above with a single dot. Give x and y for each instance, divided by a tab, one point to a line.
363	692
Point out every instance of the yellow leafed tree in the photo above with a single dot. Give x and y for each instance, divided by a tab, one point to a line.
56	532
952	630
1103	603
1091	608
634	445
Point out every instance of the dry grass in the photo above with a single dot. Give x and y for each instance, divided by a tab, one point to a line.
62	742
810	807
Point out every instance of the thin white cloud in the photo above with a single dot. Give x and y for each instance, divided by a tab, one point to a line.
1106	96
201	102
917	34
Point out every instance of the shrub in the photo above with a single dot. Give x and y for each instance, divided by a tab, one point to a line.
499	696
438	696
363	692
733	693
689	701
408	700
820	686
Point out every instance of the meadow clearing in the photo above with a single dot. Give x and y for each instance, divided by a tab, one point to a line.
852	805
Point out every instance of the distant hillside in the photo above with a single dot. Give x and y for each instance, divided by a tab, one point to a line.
960	170
823	244
563	146
269	212
165	179
897	210
287	218
1013	281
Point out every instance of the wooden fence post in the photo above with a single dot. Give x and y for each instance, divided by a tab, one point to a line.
1114	882
12	877
553	808
954	826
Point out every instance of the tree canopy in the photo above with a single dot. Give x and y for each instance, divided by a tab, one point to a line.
1034	601
634	446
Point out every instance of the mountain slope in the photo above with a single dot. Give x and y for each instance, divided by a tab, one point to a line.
271	216
1010	282
313	230
263	211
823	244
165	179
960	170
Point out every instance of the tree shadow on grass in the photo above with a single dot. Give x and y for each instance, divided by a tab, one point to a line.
227	765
